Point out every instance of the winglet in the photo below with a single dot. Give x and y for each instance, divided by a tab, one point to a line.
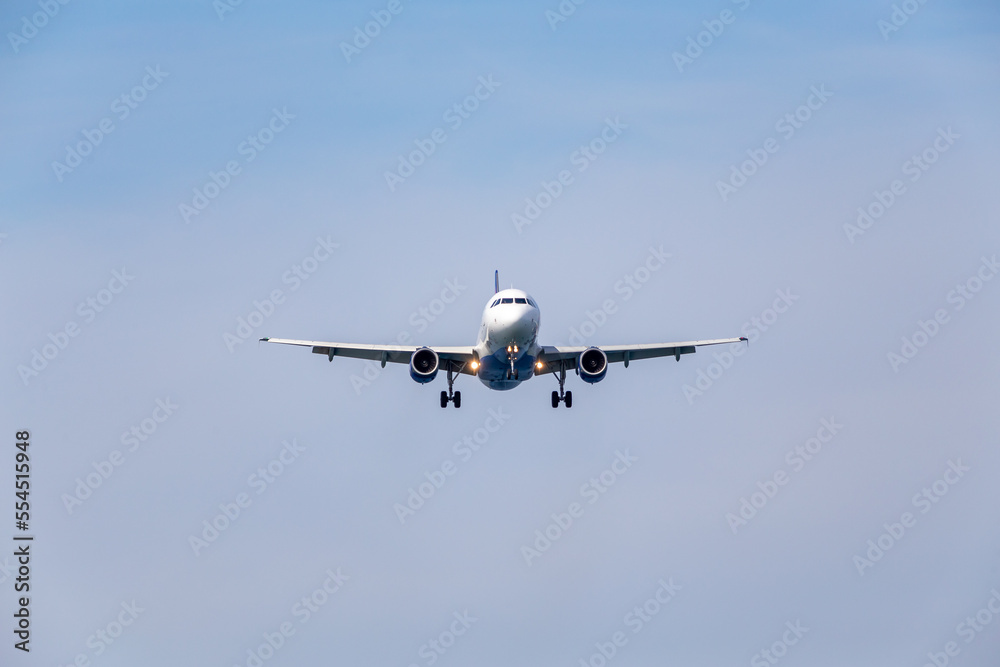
496	281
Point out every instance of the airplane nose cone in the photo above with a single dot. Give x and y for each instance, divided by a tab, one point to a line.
520	333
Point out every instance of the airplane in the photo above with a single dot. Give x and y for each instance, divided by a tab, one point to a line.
506	352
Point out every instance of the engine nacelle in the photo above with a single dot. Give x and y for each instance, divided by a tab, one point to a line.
592	365
424	365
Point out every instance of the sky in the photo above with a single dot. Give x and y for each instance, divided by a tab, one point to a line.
180	179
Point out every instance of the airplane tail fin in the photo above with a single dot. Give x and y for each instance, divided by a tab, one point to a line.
496	281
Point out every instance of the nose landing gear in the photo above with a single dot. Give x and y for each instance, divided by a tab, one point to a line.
511	372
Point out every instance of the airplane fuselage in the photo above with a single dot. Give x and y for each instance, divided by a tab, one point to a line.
508	339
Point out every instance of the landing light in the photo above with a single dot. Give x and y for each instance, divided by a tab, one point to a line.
538	365
474	365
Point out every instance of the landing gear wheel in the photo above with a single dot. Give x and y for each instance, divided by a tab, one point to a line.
457	400
555	399
444	399
568	399
515	374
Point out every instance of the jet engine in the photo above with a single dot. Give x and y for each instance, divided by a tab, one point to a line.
424	365
592	365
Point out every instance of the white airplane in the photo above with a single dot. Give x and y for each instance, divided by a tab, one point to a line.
506	353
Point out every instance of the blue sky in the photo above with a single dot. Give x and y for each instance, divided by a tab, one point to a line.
775	255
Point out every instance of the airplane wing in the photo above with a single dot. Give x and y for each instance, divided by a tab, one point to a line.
397	354
553	356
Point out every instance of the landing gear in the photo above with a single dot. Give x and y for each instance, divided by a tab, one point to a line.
450	396
511	372
564	396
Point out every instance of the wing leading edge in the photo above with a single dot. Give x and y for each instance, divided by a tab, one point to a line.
553	356
396	354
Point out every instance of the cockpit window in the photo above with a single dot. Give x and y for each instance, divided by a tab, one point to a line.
521	300
507	301
495	303
532	303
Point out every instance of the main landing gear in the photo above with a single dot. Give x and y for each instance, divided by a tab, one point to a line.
450	396
557	396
